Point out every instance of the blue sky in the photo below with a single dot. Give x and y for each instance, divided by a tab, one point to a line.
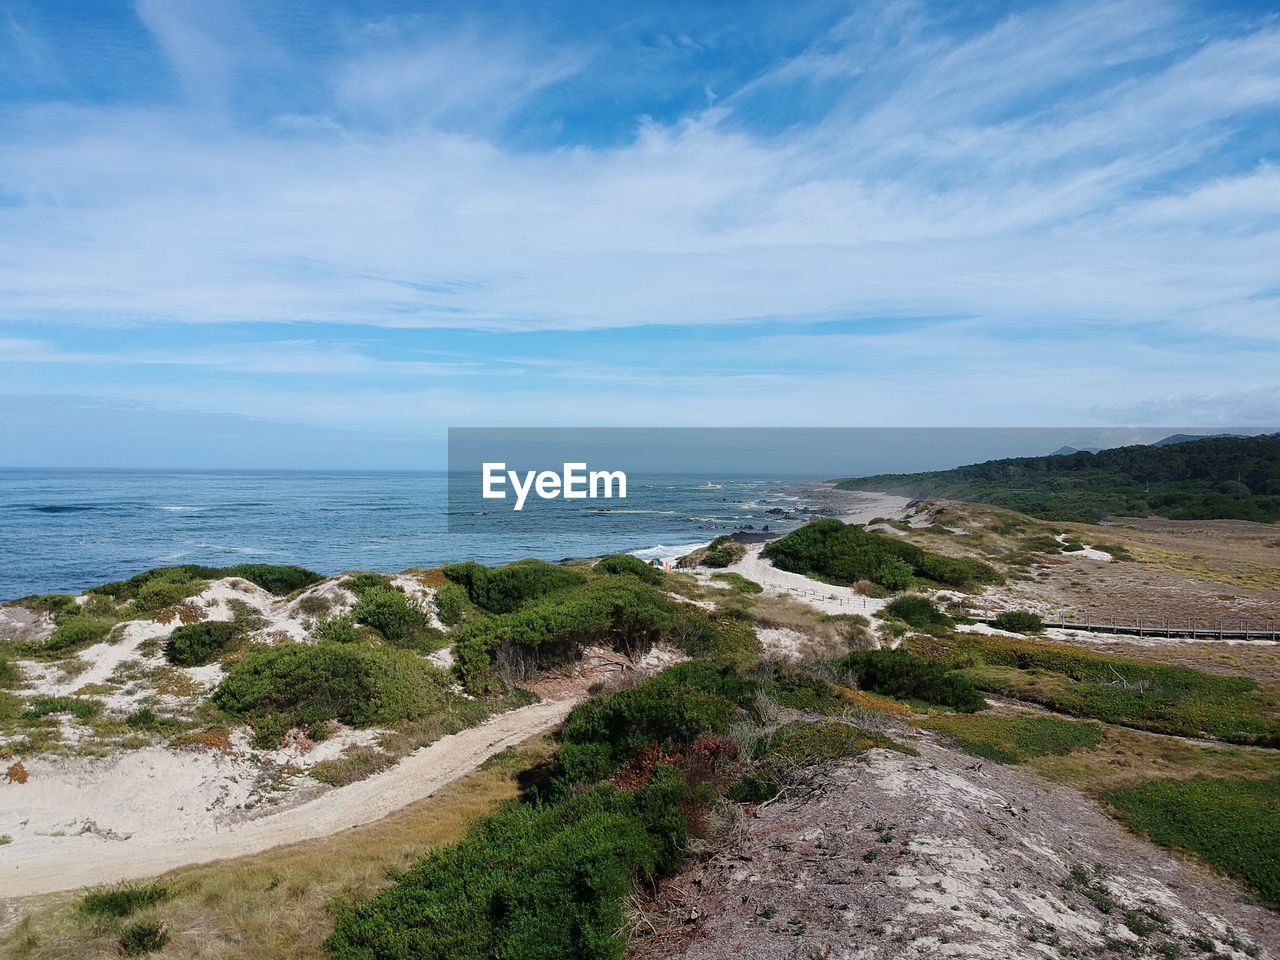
318	234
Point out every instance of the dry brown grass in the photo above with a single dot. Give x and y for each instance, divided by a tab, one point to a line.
190	613
1128	756
433	577
1257	660
210	738
281	904
865	700
827	636
172	682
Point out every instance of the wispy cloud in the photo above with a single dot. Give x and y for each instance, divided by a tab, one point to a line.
1101	167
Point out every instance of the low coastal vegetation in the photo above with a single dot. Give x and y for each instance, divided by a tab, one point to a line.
723	551
900	674
845	554
1085	683
505	589
278	904
123	900
737	582
559	616
274	578
1016	738
276	689
1230	824
75	627
917	612
637	771
1018	621
196	644
399	620
625	564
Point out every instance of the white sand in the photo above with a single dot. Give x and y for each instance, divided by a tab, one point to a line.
1088	553
865	506
174	807
821	596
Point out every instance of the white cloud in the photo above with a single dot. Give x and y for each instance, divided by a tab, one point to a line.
941	198
408	72
1065	167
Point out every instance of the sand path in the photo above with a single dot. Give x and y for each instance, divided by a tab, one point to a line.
821	596
77	861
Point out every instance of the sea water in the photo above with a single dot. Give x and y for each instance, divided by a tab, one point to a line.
64	530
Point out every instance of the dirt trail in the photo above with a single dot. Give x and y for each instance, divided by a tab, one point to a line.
83	860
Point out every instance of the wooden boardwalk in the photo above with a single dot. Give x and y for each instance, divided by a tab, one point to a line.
1189	630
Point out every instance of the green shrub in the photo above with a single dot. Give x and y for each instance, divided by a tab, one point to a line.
358	583
842	553
451	603
281	687
919	612
893	573
799	689
723	552
195	644
274	578
506	589
615	611
75	632
1018	621
336	629
79	708
623	564
897	673
162	592
706	635
726	677
51	603
813	741
397	618
1230	824
280	580
1017	738
122	900
738	582
144	718
542	882
142	938
604	732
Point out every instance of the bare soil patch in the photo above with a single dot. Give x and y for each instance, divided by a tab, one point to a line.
945	855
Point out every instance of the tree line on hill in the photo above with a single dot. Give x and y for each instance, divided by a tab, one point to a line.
1213	478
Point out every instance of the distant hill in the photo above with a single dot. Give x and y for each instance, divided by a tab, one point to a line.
1066	451
1187	437
1182	477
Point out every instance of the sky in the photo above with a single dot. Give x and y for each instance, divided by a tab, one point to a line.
280	234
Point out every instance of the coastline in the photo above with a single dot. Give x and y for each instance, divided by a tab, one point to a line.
821	501
69	531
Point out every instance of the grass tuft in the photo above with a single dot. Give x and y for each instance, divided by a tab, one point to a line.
123	900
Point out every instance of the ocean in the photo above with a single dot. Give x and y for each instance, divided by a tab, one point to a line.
64	530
